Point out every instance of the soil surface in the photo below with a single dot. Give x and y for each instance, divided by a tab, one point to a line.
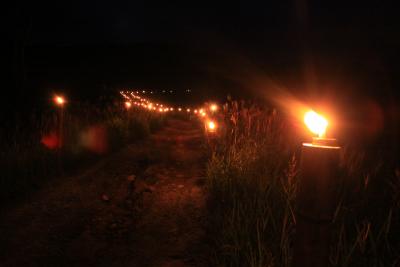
142	206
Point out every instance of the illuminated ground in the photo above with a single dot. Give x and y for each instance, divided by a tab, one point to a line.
142	206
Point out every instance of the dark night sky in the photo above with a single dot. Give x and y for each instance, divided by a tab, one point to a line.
337	33
69	22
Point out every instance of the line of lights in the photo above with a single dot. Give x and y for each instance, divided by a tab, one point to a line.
133	98
147	91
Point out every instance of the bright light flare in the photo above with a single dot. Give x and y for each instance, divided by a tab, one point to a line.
316	123
211	126
59	100
128	105
213	107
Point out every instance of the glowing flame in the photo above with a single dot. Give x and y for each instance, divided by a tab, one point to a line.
59	100
213	107
316	123
211	126
128	104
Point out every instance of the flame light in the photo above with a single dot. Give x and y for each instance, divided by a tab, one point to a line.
316	123
59	100
132	99
211	126
128	104
213	107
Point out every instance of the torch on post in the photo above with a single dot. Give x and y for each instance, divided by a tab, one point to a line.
211	133
317	196
60	102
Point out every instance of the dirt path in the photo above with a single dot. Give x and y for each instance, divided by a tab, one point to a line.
142	206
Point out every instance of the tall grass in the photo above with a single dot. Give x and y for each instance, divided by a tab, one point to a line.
252	178
89	131
252	183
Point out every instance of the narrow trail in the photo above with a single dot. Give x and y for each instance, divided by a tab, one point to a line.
142	206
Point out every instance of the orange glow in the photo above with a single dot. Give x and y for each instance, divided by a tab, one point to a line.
59	100
188	110
179	109
195	111
203	114
213	107
128	104
316	123
211	126
95	139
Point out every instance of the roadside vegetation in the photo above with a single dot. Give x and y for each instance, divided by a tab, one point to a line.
252	177
33	152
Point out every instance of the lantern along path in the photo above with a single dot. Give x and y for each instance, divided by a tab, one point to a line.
142	206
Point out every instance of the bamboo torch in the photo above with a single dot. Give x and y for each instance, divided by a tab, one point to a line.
317	195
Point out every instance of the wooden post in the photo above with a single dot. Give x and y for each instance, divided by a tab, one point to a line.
316	202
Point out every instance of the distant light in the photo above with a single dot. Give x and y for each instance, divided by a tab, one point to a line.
59	100
213	107
179	109
128	104
188	110
211	126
